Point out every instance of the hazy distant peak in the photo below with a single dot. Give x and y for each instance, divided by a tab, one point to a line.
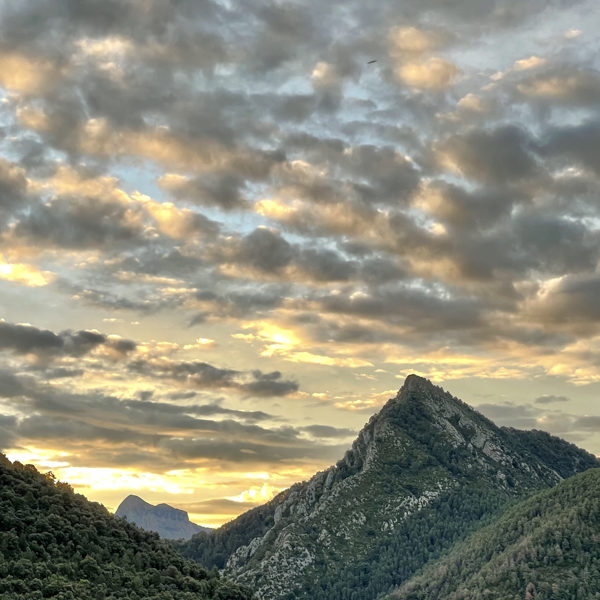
169	522
133	501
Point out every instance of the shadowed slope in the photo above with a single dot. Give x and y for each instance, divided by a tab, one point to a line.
550	541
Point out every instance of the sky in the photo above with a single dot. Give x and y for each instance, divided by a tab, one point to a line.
227	235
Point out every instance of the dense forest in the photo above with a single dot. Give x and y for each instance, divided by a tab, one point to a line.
547	547
56	544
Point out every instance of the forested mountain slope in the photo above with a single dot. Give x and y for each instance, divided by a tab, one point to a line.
56	544
547	546
423	473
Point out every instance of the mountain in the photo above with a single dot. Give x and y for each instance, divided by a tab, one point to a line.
546	546
170	523
56	544
423	473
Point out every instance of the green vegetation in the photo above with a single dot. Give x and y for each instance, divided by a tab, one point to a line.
559	455
423	474
212	549
56	544
546	546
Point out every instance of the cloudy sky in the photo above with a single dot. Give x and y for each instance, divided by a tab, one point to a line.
226	235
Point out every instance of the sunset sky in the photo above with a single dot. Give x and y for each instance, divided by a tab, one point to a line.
226	236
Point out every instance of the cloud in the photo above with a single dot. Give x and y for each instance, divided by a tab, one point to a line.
412	40
45	344
224	190
563	87
498	156
96	429
201	375
266	250
248	174
550	399
326	431
433	73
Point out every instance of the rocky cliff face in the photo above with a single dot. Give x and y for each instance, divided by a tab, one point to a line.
170	523
424	469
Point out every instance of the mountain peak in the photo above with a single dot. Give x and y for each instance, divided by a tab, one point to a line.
167	521
414	381
133	502
426	452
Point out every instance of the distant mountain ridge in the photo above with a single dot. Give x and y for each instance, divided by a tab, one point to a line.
170	523
423	472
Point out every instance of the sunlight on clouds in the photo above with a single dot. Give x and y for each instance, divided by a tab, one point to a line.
274	209
434	73
470	102
325	75
200	344
275	337
328	360
19	73
102	47
550	87
261	494
38	457
102	479
365	403
411	39
27	275
282	342
529	63
33	118
67	180
176	222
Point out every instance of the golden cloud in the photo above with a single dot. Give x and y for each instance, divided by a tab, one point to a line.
433	73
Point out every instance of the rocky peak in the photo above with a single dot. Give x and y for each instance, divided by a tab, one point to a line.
167	521
132	502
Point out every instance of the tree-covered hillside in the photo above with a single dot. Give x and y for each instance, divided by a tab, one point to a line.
56	544
545	548
425	472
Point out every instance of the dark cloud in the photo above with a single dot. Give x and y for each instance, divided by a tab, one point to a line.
26	339
7	429
326	265
550	399
11	386
498	156
423	308
266	250
250	452
326	431
80	223
239	302
201	375
573	302
511	415
216	506
575	143
269	384
224	190
13	189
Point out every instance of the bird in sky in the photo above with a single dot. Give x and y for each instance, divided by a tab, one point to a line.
371	62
